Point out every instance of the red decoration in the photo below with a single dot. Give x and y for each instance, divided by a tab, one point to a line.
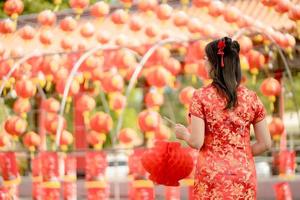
147	5
66	140
13	8
164	12
162	133
68	24
256	61
117	101
136	23
112	82
79	5
21	106
186	94
270	87
119	17
167	163
245	44
201	3
95	139
152	31
283	6
269	3
103	37
173	66
180	19
46	37
101	122
51	123
7	26
158	77
66	43
51	105
276	128
127	136
148	120
231	14
27	32
46	18
15	126
31	140
85	103
283	191
216	8
74	89
87	30
100	9
294	13
154	99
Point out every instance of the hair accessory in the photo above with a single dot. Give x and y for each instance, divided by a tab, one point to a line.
221	46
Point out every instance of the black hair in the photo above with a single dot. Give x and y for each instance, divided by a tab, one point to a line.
226	78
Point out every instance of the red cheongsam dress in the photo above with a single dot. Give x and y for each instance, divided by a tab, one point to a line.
225	168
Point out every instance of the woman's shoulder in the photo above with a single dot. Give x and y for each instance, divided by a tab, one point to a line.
246	91
205	90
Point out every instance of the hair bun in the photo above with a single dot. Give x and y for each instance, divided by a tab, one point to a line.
235	46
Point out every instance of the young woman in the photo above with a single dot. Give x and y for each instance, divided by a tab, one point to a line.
221	114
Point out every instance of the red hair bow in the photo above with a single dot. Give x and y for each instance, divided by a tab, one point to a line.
221	46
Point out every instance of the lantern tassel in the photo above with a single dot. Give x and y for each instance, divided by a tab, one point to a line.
254	79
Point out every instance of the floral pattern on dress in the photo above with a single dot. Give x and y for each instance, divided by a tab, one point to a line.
225	168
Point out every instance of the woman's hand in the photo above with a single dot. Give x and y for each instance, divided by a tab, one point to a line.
181	132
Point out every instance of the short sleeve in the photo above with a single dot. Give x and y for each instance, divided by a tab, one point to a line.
196	106
259	110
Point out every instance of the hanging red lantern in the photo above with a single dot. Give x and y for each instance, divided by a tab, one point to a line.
66	140
79	5
51	123
245	21
164	12
85	103
231	14
147	5
100	9
158	77
256	61
269	3
25	88
95	139
276	128
15	126
195	26
216	8
112	83
60	87
31	140
68	24
51	105
119	17
173	66
162	133
148	120
283	6
136	23
87	30
21	106
152	31
186	94
159	57
271	88
101	122
7	26
117	101
103	37
67	43
127	136
13	8
154	99
27	32
180	19
16	53
294	13
46	37
46	18
164	170
245	44
201	3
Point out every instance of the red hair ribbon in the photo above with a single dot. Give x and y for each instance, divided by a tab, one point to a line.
221	46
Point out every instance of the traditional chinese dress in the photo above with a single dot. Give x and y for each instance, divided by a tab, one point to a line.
225	168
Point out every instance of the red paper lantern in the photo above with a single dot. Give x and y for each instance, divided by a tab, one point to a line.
7	26
283	6
270	87
68	24
269	3
95	139
162	133
100	9
256	61
103	37
101	122
112	83
27	32
67	43
51	123
79	5
158	77
74	89
136	23
186	94
87	30
216	8
66	140
117	101
173	66
13	8
46	18
25	88
159	57
46	37
276	128
180	19
127	136
231	14
164	12
294	13
85	103
148	120
21	106
201	3
154	99
245	44
51	105
152	31
31	140
15	126
147	5
119	17
195	52
167	163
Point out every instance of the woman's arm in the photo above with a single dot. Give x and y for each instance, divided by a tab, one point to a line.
263	138
195	138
